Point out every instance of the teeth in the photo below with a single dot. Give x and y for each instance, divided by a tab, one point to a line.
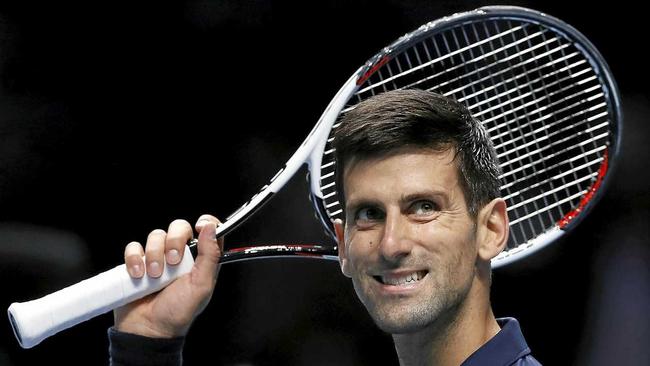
403	280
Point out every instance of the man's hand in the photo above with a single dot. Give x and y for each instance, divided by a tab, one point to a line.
170	312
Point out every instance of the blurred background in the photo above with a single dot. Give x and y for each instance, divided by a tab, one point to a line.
118	117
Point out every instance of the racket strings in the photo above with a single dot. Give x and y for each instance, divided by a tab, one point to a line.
556	79
503	81
538	81
537	95
499	95
577	136
557	189
503	100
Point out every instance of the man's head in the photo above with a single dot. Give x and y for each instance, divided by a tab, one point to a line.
415	118
423	217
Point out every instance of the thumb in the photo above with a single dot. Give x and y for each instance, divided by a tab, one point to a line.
209	253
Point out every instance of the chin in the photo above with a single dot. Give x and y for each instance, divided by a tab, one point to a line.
416	315
404	319
394	327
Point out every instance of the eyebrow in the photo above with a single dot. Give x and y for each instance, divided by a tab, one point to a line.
425	194
352	205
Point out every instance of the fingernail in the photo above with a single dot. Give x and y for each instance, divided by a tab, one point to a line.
201	223
173	257
136	271
154	269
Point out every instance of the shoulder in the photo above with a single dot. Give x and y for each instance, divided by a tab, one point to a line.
508	347
528	360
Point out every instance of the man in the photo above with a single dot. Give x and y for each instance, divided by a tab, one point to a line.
423	219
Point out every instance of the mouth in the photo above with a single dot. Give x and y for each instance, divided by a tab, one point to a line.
401	279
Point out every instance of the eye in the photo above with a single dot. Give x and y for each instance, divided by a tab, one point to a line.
368	214
424	208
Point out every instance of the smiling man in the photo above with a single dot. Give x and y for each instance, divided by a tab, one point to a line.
423	219
419	181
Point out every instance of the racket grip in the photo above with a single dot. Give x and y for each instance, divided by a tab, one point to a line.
35	320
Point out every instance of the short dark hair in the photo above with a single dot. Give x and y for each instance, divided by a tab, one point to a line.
401	119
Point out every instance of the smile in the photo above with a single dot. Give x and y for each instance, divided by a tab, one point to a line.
401	279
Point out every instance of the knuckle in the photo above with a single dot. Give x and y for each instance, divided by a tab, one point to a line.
207	217
177	240
156	236
179	230
132	245
154	248
132	259
132	248
179	223
157	232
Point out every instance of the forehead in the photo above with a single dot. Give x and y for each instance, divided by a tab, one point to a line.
402	170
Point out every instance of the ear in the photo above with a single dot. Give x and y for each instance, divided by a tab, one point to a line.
493	229
340	237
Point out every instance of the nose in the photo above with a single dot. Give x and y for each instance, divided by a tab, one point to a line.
395	243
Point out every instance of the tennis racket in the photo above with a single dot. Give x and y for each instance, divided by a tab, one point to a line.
541	89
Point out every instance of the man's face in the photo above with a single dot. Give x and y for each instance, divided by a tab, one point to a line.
409	242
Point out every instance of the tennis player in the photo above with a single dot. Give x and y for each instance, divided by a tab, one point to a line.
423	219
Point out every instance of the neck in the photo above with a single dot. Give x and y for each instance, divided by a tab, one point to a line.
454	336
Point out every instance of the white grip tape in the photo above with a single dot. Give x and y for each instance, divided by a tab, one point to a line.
35	320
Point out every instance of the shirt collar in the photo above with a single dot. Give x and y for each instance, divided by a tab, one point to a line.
504	348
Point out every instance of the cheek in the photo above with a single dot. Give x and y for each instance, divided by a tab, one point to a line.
361	240
456	252
361	249
465	260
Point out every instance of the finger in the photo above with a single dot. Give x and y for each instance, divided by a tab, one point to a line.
178	234
133	254
205	219
154	252
209	252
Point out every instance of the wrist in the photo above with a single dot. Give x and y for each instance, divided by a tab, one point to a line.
143	327
142	330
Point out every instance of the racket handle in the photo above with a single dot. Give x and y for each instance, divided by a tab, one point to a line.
35	320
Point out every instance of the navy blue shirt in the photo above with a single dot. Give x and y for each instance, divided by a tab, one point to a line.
506	348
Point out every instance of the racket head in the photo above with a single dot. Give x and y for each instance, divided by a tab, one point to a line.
541	89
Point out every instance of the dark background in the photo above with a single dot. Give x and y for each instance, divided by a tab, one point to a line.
116	118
